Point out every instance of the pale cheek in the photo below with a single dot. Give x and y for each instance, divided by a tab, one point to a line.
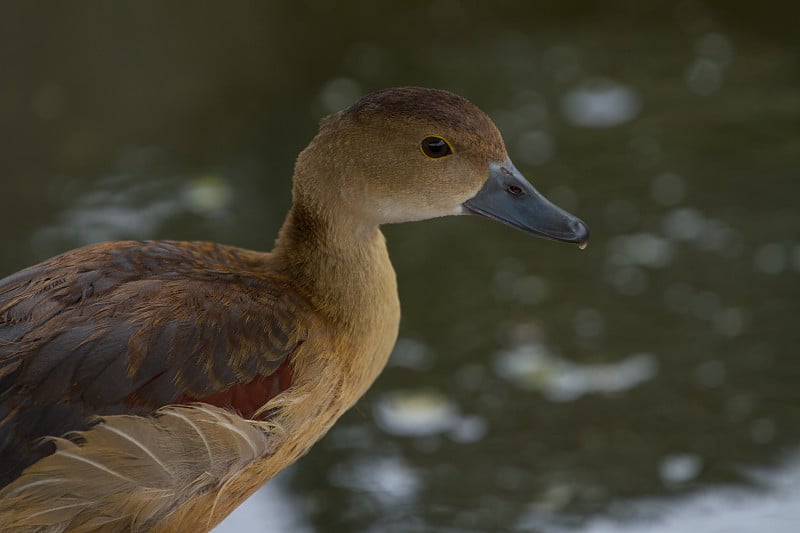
389	213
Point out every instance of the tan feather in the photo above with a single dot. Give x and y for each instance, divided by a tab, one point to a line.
128	473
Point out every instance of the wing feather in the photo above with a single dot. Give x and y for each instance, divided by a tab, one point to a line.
127	328
125	490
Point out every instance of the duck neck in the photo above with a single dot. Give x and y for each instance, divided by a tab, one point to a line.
340	262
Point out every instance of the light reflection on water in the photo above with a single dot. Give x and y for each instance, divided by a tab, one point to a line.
535	367
600	104
136	202
773	507
274	510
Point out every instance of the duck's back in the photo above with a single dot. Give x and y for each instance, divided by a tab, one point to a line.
127	328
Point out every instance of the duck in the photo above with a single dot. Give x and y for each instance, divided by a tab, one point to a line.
155	385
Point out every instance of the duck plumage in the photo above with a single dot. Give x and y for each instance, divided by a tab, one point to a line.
154	385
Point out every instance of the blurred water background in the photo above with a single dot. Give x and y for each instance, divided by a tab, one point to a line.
650	383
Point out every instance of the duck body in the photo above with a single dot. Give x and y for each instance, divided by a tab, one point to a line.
155	385
142	325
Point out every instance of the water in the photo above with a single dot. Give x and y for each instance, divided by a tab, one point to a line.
649	381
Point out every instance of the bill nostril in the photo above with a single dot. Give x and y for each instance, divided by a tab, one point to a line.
515	190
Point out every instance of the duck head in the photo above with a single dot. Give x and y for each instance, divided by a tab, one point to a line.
410	153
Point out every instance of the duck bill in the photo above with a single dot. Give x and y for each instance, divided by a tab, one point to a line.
509	198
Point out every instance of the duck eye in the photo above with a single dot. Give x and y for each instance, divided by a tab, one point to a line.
435	147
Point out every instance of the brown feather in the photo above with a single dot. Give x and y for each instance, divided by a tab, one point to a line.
129	327
127	473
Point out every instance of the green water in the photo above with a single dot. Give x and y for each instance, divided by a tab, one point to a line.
536	386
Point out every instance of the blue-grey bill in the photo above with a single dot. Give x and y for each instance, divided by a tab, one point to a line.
509	198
